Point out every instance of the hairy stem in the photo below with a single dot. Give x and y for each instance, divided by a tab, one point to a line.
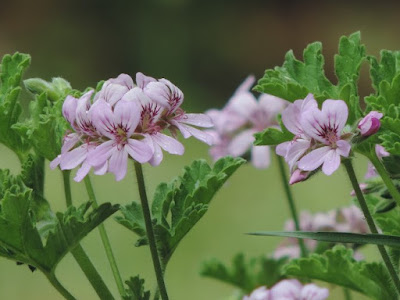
290	200
347	294
80	255
150	231
59	287
380	168
363	204
106	241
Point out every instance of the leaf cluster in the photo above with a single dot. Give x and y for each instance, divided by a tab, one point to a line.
177	206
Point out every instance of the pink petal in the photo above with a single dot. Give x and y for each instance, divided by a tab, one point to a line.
283	148
100	154
381	151
241	143
260	156
157	156
142	80
335	113
101	169
331	162
82	109
137	95
343	148
185	133
175	98
200	120
314	159
159	93
244	104
69	109
139	150
313	292
271	104
198	134
82	172
291	118
102	117
118	163
288	289
296	151
72	159
127	115
298	176
55	162
69	142
312	123
246	85
168	143
123	79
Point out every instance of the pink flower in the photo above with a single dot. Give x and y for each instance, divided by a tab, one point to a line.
117	127
260	293
298	176
380	152
325	126
115	88
240	119
292	289
370	124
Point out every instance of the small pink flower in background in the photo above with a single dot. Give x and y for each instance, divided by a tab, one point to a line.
380	153
289	289
240	119
124	120
370	124
346	219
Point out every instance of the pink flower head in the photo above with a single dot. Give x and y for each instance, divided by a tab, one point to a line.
240	119
261	293
115	88
117	126
325	127
370	124
298	176
292	289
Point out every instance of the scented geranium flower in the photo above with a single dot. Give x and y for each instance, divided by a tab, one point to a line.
117	127
370	124
325	127
380	153
289	289
293	150
240	119
115	88
346	219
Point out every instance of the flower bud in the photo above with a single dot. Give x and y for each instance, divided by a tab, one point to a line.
370	124
298	175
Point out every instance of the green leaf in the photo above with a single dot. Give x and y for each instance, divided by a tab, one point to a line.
386	69
179	205
57	89
22	236
246	274
337	266
337	237
12	68
136	289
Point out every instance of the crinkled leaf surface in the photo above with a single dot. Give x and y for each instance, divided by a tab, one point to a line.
136	289
21	237
248	274
12	68
337	266
180	204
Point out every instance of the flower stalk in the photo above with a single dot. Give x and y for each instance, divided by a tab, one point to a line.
290	200
150	232
59	287
368	217
106	241
80	255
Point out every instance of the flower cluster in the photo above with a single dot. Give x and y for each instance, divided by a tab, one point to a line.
289	289
346	219
320	138
125	120
240	119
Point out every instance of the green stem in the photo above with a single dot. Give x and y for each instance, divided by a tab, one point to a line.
347	294
80	255
363	205
290	200
380	168
150	231
59	287
106	241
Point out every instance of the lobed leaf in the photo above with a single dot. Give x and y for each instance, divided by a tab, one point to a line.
136	289
179	205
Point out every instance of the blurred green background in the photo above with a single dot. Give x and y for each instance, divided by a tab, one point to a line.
206	48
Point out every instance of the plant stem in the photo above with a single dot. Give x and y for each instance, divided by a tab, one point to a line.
347	294
363	204
380	168
150	231
59	287
290	200
106	241
80	255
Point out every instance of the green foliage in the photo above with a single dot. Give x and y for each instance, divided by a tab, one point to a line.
337	266
136	289
179	205
22	237
57	89
12	68
244	274
295	79
273	136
